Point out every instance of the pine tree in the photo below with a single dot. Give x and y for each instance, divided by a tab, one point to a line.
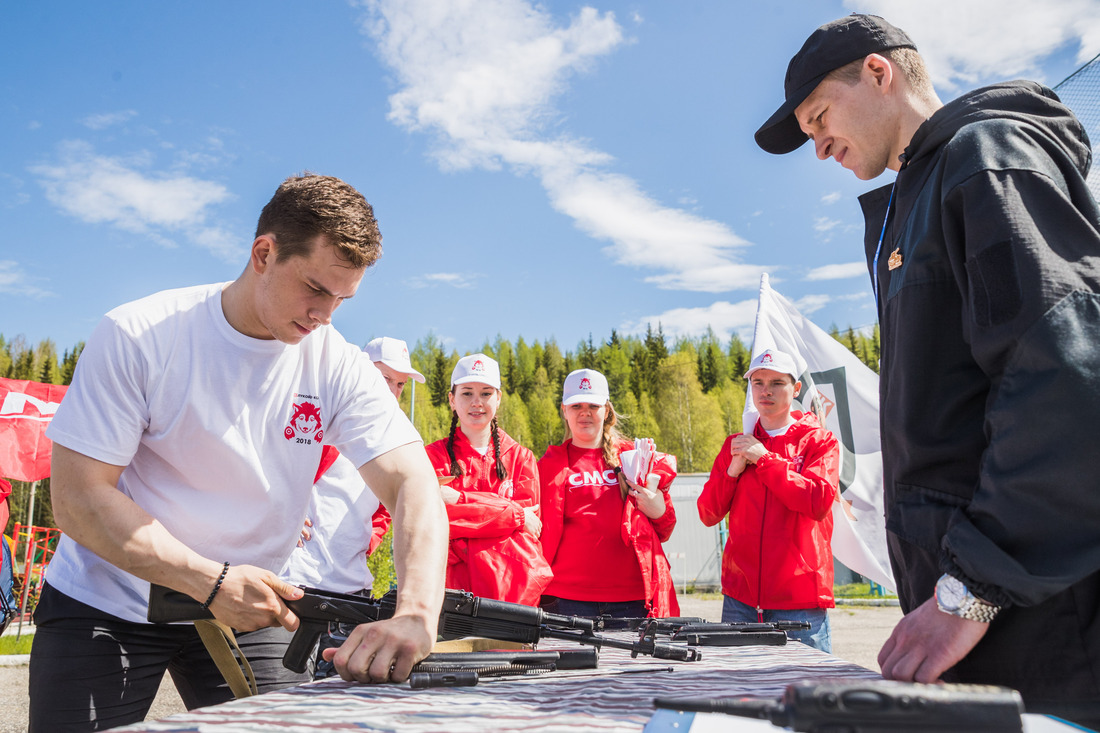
68	364
439	383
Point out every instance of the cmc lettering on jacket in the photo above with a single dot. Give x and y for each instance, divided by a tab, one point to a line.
593	478
305	424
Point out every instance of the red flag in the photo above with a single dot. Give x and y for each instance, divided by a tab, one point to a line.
26	408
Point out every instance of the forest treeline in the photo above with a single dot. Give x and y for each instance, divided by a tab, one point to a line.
687	393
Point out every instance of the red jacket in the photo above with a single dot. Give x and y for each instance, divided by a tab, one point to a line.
491	555
779	553
606	548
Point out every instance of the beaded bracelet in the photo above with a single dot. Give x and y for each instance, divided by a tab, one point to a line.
217	586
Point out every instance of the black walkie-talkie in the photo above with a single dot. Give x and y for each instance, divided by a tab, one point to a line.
874	706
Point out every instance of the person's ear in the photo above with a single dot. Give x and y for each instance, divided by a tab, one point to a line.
263	253
878	70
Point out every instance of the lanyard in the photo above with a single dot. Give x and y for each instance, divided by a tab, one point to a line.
881	236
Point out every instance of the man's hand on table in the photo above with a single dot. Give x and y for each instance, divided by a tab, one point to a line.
926	643
384	651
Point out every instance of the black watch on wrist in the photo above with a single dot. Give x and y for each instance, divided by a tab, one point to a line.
956	599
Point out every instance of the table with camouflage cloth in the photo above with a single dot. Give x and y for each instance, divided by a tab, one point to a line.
611	698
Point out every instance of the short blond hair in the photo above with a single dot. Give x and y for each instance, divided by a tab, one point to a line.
908	61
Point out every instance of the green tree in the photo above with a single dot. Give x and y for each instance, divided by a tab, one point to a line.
68	364
731	403
5	357
554	361
512	418
49	372
690	421
439	383
738	357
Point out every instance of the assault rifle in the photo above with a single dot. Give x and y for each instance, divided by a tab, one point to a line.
465	669
874	706
697	632
463	615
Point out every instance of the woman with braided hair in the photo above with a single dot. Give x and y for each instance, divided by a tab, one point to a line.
491	491
602	533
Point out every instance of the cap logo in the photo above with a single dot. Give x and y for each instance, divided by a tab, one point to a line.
766	358
405	352
478	367
585	385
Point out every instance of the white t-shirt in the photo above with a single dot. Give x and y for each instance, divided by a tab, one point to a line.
341	509
220	434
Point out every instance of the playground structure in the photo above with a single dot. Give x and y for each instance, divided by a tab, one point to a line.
33	550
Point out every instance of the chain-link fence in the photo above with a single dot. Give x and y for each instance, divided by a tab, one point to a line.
1081	93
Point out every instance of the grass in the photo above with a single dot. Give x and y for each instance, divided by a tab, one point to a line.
851	591
860	590
11	645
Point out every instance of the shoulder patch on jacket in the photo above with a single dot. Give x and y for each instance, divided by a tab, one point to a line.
995	296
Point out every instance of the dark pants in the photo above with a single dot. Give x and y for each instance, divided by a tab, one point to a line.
1050	652
93	671
615	609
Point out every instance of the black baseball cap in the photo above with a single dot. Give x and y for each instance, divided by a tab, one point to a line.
828	48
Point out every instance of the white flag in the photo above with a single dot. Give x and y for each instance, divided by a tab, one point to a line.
847	392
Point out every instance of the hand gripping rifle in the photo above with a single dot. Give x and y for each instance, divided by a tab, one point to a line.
463	615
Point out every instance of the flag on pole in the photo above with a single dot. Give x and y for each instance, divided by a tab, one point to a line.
837	384
26	408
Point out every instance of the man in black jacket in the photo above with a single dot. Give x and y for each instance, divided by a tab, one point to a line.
984	257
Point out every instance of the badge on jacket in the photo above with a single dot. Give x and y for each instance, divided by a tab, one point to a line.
895	260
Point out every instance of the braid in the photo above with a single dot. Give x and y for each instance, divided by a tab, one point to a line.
611	438
502	472
456	467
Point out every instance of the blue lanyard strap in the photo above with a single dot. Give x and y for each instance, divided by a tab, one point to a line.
881	236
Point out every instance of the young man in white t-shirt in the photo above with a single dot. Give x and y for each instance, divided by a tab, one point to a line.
185	452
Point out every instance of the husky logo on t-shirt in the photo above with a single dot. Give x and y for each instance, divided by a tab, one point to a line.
305	424
586	385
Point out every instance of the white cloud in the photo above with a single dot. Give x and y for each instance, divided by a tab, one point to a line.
453	279
13	281
823	224
107	119
808	304
979	41
830	198
724	317
111	190
481	77
838	272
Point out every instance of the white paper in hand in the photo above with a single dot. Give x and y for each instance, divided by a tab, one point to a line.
637	462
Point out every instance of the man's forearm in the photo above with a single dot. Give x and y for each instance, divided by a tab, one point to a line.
404	480
420	549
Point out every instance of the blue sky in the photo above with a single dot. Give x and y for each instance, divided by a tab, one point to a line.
544	170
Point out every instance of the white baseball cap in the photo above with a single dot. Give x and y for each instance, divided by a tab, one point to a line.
775	360
585	385
476	368
394	353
